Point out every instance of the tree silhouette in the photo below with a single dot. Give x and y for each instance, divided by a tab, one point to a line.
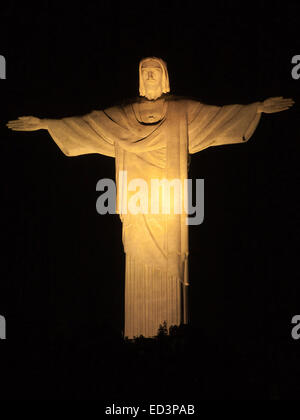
162	330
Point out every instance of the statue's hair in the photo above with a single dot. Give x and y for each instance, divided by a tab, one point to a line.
165	76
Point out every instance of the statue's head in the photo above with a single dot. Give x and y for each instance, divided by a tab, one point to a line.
154	78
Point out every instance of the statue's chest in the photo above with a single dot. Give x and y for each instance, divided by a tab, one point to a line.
150	112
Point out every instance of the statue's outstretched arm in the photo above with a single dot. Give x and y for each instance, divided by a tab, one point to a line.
28	123
275	104
74	135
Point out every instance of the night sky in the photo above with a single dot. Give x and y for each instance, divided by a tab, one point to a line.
62	264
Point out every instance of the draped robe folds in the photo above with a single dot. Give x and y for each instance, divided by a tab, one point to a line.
156	245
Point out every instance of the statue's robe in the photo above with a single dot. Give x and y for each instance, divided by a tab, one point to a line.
156	245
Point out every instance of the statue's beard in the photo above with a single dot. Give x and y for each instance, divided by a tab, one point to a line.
153	93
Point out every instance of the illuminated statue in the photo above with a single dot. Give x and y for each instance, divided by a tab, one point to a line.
151	137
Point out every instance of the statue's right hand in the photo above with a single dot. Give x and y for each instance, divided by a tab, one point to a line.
26	124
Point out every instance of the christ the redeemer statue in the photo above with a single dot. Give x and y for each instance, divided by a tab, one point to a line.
151	137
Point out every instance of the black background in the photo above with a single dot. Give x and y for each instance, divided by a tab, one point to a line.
62	266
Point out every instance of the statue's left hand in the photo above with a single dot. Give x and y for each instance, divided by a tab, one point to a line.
275	104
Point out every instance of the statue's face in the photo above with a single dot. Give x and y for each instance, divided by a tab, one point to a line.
152	78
